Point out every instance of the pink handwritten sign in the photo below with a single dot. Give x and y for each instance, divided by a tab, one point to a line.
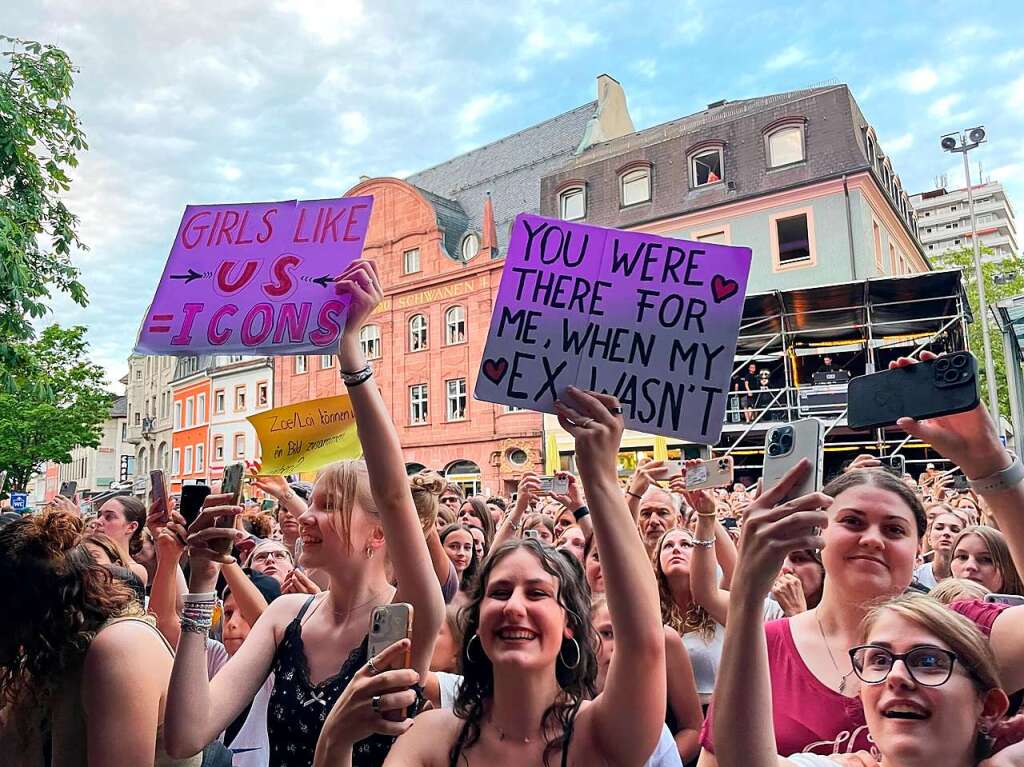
256	278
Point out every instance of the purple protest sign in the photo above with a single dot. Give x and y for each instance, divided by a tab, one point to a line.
652	320
256	278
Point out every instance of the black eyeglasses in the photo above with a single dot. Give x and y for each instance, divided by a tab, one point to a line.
928	666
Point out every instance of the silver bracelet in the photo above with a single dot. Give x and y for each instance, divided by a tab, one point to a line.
356	377
704	543
195	627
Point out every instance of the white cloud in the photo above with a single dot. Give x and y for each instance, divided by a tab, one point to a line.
790	57
1012	172
920	80
1013	95
230	172
943	107
476	109
1009	58
328	21
557	41
356	129
646	67
692	24
898	143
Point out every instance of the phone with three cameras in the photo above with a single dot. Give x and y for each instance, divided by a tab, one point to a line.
942	386
230	484
389	624
785	446
717	472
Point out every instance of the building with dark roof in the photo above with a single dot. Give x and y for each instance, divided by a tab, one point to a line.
438	238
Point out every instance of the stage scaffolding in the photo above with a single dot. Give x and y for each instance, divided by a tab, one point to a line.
867	323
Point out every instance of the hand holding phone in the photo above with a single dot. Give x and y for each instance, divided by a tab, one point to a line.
158	497
390	624
717	472
554	485
231	486
786	446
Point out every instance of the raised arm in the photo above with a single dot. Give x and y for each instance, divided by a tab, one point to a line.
636	677
742	712
703	577
163	596
250	599
512	524
389	482
641	480
573	501
199	709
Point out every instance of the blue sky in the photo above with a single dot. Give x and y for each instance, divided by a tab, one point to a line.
245	100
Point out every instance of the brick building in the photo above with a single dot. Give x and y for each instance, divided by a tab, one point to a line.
438	238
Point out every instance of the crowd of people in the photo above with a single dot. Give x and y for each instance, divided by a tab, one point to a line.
878	621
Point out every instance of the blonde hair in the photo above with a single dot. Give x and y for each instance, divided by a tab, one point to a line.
446	514
995	542
346	483
695	618
951	590
973	651
427	487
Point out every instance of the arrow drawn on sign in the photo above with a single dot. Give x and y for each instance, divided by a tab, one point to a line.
324	281
192	275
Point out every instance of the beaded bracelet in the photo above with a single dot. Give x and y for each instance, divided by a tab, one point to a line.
194	627
704	544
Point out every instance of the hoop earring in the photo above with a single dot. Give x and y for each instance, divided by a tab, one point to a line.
369	551
469	645
579	655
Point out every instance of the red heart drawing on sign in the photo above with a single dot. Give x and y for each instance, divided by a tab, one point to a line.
721	288
495	369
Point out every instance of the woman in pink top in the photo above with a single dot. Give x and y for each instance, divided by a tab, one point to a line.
868	551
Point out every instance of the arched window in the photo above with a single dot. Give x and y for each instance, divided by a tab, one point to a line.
785	145
470	246
572	203
635	186
417	333
455	325
706	167
369	340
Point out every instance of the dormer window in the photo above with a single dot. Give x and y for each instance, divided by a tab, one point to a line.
785	146
470	246
706	167
572	203
635	186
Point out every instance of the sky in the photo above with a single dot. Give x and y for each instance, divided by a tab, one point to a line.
186	102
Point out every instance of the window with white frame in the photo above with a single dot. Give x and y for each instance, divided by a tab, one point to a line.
175	460
793	238
718	237
369	340
411	261
200	457
239	446
572	203
418	407
513	409
326	361
470	246
201	408
218	448
456	399
240	398
455	325
218	402
187	468
177	414
417	333
635	186
706	167
300	363
785	145
262	394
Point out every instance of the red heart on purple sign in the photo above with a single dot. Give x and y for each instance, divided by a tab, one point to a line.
495	369
721	288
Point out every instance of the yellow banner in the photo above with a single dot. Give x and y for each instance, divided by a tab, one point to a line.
307	436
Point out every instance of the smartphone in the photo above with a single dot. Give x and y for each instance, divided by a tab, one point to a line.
68	489
390	624
668	470
192	497
554	485
898	463
1005	599
785	446
230	484
531	534
707	474
960	483
938	387
158	493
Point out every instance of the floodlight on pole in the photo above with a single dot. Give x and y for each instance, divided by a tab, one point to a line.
963	142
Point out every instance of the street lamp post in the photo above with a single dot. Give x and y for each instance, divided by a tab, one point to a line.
966	143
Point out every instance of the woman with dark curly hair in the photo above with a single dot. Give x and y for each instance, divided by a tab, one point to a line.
528	655
77	651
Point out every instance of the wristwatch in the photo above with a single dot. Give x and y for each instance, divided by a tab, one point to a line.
1006	479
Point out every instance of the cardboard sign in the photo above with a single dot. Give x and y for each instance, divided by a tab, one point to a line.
652	320
256	278
307	436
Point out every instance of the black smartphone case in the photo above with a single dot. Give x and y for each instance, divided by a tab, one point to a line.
929	389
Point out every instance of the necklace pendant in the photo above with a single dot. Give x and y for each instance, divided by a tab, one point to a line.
842	686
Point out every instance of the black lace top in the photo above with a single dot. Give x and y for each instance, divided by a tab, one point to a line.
298	708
